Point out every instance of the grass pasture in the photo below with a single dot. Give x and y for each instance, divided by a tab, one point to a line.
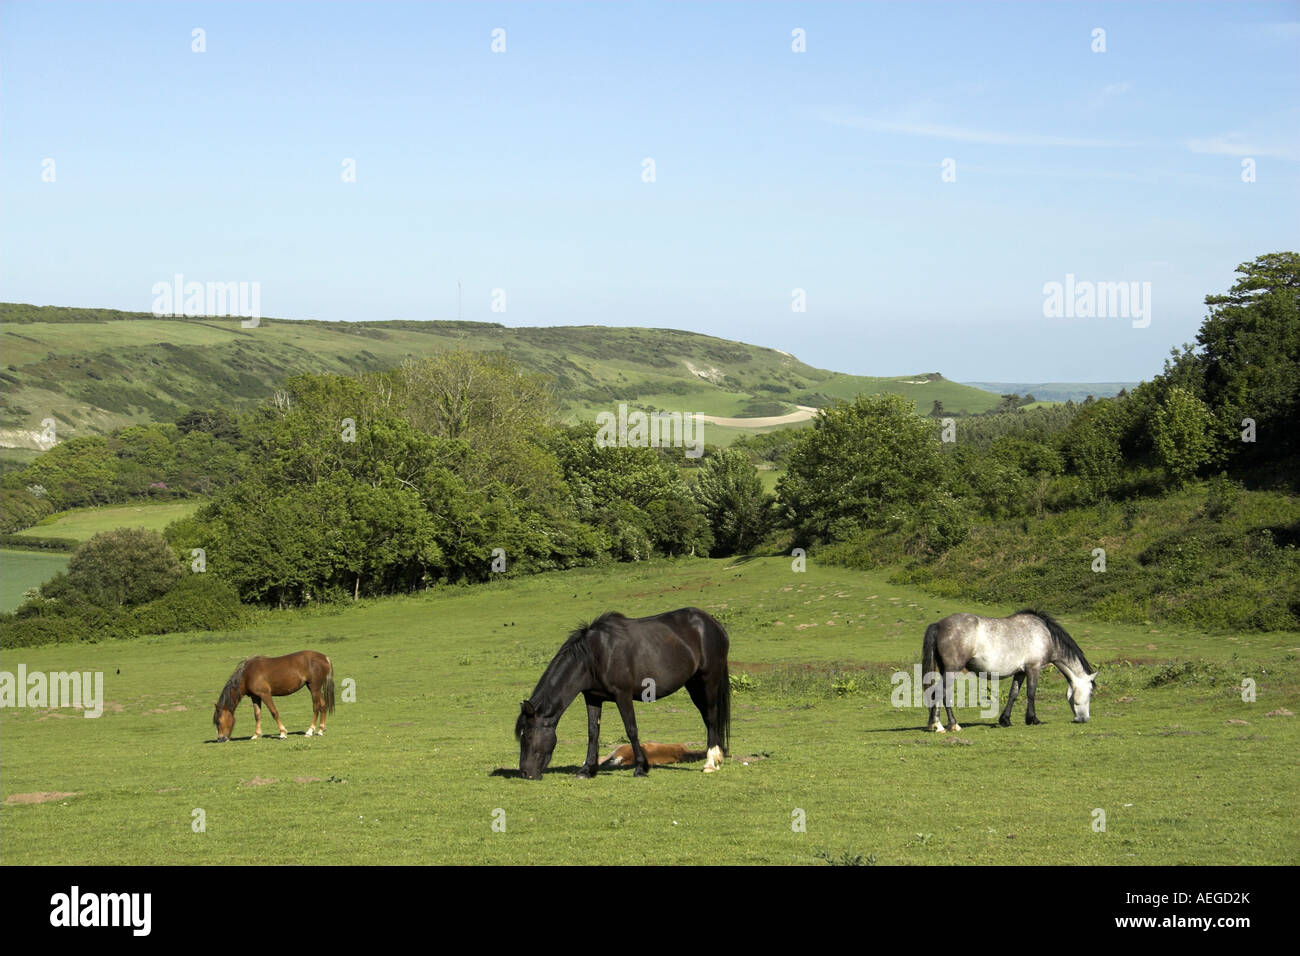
82	524
22	570
417	769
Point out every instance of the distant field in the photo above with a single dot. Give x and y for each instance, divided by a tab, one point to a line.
21	570
84	523
954	396
1056	391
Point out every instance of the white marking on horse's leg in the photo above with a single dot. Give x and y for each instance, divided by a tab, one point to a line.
284	735
714	761
955	727
310	732
936	727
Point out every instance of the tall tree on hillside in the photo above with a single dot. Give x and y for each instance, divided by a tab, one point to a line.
1249	356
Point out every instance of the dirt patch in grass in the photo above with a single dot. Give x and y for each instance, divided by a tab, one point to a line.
41	796
258	782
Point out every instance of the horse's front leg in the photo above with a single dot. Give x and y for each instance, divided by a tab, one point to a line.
257	717
270	702
588	769
1031	690
629	724
1004	719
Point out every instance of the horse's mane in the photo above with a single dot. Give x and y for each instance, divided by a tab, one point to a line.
576	647
229	698
1060	635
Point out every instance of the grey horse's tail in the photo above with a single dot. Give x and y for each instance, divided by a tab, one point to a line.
930	656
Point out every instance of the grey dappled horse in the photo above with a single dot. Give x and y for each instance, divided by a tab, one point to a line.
1019	645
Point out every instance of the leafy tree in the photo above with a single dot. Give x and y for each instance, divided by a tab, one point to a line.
125	566
79	471
613	488
859	461
1183	432
1250	354
217	422
1092	447
732	495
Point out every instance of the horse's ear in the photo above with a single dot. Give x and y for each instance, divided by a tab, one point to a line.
528	709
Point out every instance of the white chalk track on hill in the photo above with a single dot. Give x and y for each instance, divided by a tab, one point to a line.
805	412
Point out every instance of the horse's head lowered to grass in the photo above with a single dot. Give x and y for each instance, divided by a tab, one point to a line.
1078	694
536	736
223	712
619	660
223	718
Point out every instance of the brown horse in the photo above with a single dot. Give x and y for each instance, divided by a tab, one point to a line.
659	755
260	678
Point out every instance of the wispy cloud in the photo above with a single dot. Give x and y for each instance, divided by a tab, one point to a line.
1109	92
963	134
1234	144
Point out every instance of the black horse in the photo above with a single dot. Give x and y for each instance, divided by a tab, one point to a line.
620	659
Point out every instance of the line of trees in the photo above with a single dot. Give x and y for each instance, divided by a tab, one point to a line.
453	468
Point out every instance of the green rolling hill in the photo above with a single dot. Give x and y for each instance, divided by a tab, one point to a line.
93	370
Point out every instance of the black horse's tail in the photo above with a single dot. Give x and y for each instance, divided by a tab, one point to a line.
724	691
930	655
724	709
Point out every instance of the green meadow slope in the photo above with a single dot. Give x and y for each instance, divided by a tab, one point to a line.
93	370
419	760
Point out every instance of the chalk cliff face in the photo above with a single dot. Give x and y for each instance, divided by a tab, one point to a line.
33	438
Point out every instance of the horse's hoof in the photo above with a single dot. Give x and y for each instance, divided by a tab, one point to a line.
954	728
310	732
1030	721
937	728
585	774
255	737
283	735
714	761
641	772
1004	721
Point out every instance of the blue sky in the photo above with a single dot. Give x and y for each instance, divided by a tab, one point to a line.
774	170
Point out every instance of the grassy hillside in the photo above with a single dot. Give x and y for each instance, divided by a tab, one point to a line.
93	370
420	764
1188	557
81	524
21	570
